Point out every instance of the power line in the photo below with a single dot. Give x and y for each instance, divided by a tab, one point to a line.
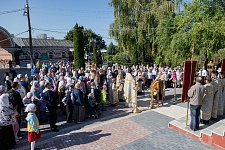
74	15
48	30
72	10
10	11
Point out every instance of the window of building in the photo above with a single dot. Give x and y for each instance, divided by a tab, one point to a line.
36	55
63	55
50	55
44	56
26	55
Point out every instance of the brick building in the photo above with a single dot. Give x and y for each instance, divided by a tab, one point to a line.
44	49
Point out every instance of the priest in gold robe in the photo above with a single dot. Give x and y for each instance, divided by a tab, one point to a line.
216	95
129	92
207	103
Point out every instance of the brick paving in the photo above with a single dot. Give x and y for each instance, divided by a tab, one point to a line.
162	136
117	128
110	136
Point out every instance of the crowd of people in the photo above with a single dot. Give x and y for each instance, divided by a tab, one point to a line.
78	93
207	98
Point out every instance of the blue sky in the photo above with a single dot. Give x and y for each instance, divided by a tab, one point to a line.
58	15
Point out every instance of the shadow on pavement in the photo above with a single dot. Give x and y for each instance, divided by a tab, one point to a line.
66	128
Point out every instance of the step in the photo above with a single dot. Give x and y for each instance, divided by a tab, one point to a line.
212	134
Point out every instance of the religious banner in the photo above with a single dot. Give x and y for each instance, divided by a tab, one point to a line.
189	74
223	66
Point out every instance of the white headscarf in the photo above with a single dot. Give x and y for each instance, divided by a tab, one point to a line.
62	83
2	88
4	100
69	81
30	107
34	84
42	83
16	80
7	78
29	94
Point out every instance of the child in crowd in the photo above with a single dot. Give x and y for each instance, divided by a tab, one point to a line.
32	125
103	97
26	101
15	125
94	110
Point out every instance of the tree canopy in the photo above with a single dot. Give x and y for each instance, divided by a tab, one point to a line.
88	37
151	31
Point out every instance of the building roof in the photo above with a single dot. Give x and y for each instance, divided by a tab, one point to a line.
24	42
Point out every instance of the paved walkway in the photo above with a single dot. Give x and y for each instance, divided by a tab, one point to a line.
118	128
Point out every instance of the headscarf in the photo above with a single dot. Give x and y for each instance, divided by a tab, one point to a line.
30	107
16	80
7	78
69	81
29	94
2	88
4	100
34	84
62	83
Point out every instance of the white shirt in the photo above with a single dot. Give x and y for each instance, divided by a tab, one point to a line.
149	75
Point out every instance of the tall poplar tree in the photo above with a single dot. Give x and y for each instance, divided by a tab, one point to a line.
78	46
95	54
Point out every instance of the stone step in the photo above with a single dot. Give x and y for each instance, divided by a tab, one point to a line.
212	134
214	127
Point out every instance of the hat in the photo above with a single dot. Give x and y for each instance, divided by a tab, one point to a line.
30	107
2	88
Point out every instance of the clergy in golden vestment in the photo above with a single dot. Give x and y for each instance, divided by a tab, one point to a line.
207	101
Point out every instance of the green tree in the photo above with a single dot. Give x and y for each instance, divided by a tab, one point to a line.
135	25
78	46
200	24
100	61
88	37
111	50
95	54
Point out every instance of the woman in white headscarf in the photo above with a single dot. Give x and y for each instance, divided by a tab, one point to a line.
36	91
7	139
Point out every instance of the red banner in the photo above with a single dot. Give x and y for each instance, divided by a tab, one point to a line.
189	74
223	66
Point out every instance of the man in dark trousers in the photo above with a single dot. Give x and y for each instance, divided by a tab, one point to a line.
16	100
196	93
78	101
51	105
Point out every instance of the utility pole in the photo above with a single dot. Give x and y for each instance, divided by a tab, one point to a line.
27	13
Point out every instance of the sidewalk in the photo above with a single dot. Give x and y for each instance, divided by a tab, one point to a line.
118	128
